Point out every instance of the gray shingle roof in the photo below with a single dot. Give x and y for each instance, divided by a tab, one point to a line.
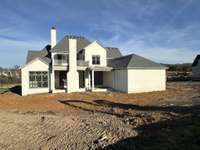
116	60
196	60
82	42
133	61
63	45
43	54
113	52
47	60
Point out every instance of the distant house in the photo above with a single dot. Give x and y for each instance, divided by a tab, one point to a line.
196	68
75	64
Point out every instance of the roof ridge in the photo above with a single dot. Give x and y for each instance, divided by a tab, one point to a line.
75	36
63	44
130	57
124	56
147	59
111	47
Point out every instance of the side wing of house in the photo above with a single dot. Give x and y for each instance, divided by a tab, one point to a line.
136	80
135	74
35	77
146	80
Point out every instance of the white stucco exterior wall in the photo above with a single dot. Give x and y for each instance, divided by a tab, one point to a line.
142	80
96	49
108	79
72	74
120	80
117	80
35	65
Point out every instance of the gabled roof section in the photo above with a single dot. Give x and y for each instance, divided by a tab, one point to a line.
133	61
95	42
35	59
196	60
113	52
43	54
63	45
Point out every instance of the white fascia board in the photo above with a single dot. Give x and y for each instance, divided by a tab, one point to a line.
93	43
37	58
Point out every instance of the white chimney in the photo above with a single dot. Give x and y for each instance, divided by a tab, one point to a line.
72	55
53	37
72	74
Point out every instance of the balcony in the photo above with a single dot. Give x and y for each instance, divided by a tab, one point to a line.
61	62
82	63
61	59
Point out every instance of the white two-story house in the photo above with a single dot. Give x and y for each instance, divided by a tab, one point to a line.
75	64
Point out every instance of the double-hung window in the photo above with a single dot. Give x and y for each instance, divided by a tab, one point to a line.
96	60
38	79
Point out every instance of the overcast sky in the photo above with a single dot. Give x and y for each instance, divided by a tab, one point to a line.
166	31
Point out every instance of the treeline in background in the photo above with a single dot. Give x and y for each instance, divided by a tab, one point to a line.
179	72
10	76
186	67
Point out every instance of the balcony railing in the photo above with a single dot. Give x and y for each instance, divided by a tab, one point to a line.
64	62
82	63
60	62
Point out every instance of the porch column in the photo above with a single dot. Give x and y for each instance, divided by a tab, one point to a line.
52	75
89	80
92	80
52	81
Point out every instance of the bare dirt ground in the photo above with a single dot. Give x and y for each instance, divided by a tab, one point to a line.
100	120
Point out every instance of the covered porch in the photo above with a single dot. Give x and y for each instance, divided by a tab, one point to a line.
90	79
94	78
60	81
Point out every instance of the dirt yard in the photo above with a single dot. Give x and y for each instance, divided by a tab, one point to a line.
102	120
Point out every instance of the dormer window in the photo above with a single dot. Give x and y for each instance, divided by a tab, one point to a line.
96	60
